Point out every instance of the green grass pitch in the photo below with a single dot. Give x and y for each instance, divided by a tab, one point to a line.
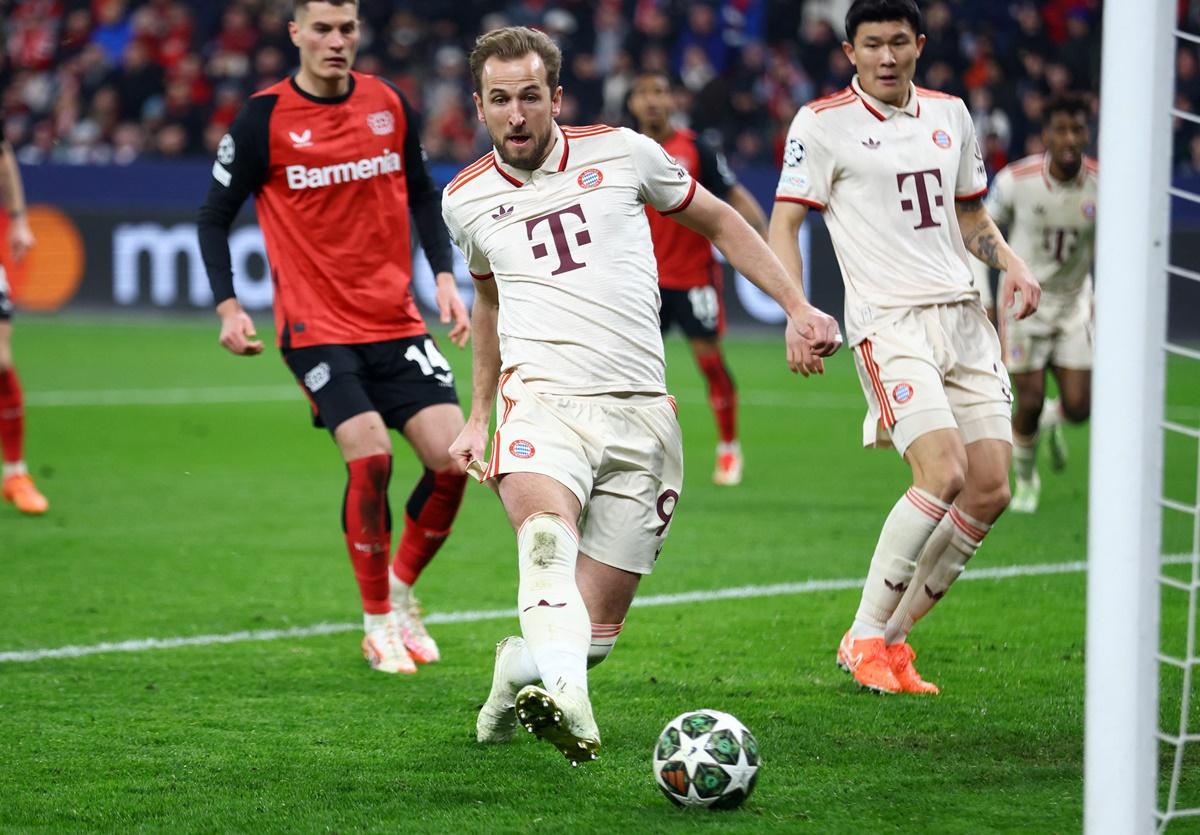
183	519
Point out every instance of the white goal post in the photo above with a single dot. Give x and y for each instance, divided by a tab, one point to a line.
1124	524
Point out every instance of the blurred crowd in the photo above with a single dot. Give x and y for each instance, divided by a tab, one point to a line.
110	81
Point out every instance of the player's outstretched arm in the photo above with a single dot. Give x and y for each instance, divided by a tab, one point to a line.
982	239
783	239
741	199
811	334
471	444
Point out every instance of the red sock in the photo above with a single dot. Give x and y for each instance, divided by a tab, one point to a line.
12	417
367	521
721	394
427	519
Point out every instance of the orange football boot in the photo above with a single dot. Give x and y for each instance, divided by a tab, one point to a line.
19	491
901	657
867	660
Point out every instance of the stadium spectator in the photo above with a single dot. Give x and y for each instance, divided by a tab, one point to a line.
793	50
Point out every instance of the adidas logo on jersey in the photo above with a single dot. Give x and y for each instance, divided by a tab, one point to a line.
503	212
302	177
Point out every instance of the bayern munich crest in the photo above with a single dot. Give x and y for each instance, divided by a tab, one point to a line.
590	178
941	138
1089	210
902	393
521	449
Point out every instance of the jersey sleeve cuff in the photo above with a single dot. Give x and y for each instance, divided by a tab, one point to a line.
481	276
812	204
687	201
967	198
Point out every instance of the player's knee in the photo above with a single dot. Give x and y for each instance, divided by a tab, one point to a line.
989	495
1076	409
946	478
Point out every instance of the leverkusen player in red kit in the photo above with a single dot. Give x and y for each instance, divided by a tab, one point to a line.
689	276
334	160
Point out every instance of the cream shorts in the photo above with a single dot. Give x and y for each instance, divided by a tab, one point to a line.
622	457
1058	334
935	367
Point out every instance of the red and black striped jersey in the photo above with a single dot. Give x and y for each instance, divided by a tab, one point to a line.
685	258
333	180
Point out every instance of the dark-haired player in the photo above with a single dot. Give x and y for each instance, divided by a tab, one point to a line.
1048	203
689	276
897	174
334	161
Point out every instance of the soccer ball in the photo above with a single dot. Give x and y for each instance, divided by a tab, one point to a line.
706	758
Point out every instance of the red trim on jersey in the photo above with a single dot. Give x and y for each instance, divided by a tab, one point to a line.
933	94
837	99
967	198
494	461
834	105
867	105
686	201
506	175
562	163
674	406
887	416
1025	173
478	277
467	175
812	204
586	130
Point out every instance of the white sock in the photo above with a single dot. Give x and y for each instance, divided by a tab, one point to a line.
16	468
604	638
372	622
726	447
904	533
397	587
554	619
950	548
1024	455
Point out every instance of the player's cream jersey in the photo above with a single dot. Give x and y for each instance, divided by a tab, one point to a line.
569	248
886	179
1051	224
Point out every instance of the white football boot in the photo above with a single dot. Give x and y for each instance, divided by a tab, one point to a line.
383	647
562	717
422	647
497	722
1026	496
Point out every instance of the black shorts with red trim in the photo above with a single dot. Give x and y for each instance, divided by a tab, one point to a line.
699	312
397	378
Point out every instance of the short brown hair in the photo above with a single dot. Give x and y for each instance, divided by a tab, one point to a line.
515	42
297	5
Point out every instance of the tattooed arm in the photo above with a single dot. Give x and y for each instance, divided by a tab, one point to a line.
983	240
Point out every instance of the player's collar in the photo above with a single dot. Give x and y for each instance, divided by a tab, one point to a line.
555	161
1053	183
883	111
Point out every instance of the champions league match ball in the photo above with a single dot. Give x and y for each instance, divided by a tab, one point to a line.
706	758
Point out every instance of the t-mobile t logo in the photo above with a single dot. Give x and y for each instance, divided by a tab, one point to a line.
566	263
923	205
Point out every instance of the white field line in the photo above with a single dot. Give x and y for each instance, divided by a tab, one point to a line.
737	593
201	395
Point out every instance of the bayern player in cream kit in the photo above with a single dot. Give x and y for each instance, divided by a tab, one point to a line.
586	456
897	175
1048	204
